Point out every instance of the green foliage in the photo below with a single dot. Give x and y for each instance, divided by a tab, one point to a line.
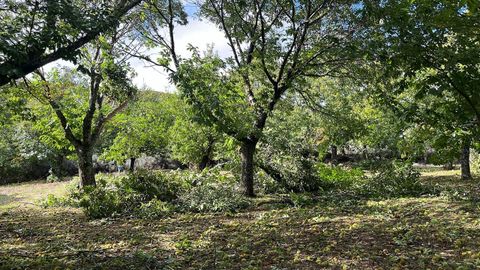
142	128
154	209
144	185
99	202
433	76
55	201
36	33
23	156
145	194
338	177
217	98
158	194
300	200
191	141
394	179
212	197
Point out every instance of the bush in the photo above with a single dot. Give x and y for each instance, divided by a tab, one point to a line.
149	194
338	177
394	179
145	194
54	201
211	197
99	202
150	185
320	177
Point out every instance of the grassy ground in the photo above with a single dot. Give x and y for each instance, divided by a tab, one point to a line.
409	233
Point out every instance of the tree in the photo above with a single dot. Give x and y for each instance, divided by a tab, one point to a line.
85	100
141	129
190	141
23	156
429	45
275	45
35	33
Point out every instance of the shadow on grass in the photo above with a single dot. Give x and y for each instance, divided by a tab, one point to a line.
401	233
7	199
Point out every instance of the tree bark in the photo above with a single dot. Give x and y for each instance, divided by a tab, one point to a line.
334	154
132	164
85	167
204	163
247	151
365	152
465	159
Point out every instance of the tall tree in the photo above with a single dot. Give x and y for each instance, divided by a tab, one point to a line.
85	100
275	45
433	47
438	39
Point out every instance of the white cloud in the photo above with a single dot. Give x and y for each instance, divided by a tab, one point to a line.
200	34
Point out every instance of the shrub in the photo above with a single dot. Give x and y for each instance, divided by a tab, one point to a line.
54	201
266	184
149	194
147	185
211	197
338	177
100	201
394	179
143	193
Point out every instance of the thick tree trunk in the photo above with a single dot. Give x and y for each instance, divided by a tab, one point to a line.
465	159
247	151
85	167
132	164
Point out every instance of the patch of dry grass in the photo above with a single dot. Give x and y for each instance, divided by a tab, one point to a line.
28	194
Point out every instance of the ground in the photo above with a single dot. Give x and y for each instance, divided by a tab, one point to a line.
440	232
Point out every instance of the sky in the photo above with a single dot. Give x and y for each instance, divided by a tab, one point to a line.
201	34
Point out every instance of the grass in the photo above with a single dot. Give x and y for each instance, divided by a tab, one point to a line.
25	195
409	233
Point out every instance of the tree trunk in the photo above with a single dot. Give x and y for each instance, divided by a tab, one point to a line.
247	151
85	167
204	163
465	159
132	164
334	154
365	152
